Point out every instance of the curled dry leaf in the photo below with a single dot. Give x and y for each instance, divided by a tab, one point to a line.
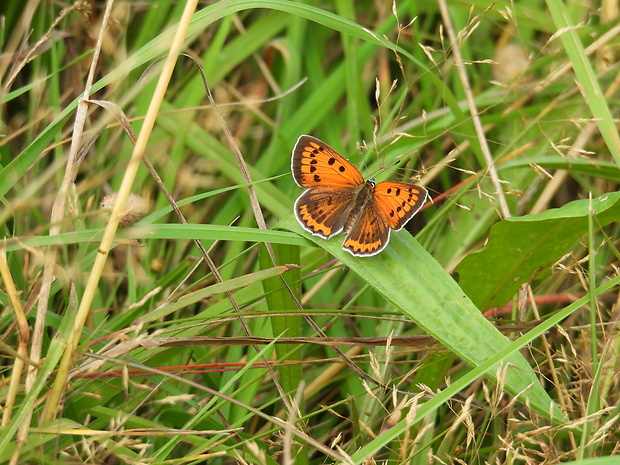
511	62
136	208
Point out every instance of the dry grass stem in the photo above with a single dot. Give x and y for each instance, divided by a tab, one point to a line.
123	193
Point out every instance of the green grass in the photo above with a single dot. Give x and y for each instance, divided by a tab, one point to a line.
170	348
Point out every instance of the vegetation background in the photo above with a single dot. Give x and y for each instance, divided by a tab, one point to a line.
152	327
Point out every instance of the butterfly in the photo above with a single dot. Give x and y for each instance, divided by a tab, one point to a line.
338	199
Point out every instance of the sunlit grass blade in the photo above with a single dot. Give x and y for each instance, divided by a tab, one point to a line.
586	77
219	288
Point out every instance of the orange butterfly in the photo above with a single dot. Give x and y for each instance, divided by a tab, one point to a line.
338	199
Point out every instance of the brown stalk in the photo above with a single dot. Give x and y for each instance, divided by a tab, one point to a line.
415	341
260	221
300	435
124	121
20	34
245	172
26	55
24	338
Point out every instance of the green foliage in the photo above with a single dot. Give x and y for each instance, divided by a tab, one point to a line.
435	302
182	362
520	248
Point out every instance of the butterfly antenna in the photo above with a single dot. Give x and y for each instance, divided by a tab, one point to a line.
362	147
387	168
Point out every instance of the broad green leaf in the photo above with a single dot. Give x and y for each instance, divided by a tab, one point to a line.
518	248
411	279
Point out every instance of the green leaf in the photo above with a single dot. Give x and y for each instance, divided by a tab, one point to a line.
145	232
518	248
218	288
278	298
411	279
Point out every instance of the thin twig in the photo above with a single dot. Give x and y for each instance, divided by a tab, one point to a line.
260	221
24	337
18	35
300	435
245	172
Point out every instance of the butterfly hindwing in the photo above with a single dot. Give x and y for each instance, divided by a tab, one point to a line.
370	233
398	201
316	164
322	211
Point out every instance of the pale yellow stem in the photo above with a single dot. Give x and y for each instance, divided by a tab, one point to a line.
53	401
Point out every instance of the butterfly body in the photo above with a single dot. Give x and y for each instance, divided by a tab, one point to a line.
357	206
337	199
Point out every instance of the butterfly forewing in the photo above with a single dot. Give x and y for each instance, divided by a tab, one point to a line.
316	164
398	201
